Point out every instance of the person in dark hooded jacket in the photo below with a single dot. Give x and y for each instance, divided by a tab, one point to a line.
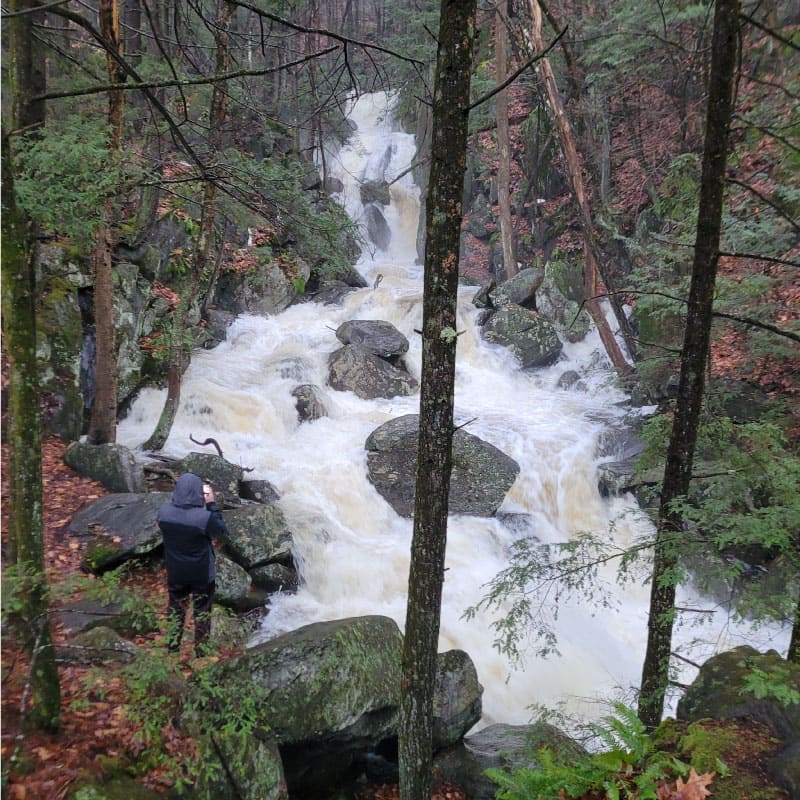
188	525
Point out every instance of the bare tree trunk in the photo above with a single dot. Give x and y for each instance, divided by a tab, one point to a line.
103	422
793	654
694	356
504	143
579	190
439	336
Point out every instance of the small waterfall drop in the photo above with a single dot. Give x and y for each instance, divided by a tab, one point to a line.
351	549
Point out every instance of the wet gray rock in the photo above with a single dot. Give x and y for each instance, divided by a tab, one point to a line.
355	368
526	333
482	474
114	465
118	527
377	227
378	336
519	290
308	402
257	534
499	746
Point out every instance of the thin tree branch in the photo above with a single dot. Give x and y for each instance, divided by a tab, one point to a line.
181	82
345	40
33	10
770	32
514	75
781	211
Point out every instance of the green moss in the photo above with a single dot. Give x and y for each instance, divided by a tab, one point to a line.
708	745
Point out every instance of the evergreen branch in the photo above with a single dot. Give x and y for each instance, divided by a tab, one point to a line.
183	82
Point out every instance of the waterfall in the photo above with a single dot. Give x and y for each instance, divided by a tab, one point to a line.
351	549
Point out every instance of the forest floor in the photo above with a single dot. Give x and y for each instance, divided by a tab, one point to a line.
95	730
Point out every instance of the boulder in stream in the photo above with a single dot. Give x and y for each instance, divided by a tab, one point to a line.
482	474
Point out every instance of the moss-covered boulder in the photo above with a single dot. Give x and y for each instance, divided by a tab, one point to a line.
532	339
118	527
223	475
114	465
745	683
239	767
330	692
257	535
500	746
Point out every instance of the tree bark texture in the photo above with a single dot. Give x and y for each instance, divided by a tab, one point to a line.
25	519
503	142
442	234
103	422
26	526
573	164
694	356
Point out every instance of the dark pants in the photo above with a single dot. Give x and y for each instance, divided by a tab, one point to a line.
179	593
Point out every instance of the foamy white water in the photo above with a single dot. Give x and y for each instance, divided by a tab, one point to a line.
351	548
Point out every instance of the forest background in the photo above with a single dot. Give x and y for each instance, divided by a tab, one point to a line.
210	113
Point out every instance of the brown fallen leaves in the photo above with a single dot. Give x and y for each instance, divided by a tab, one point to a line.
693	789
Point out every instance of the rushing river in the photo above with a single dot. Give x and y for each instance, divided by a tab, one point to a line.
351	548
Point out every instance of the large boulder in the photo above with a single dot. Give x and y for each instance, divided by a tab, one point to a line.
378	336
264	289
378	229
725	689
375	192
526	333
356	369
457	703
519	290
331	694
480	480
114	465
257	535
240	768
743	684
233	586
119	527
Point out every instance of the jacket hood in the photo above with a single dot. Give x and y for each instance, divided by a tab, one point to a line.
188	491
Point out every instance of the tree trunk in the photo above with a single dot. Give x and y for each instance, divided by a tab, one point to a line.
201	264
19	293
694	356
579	190
443	229
794	645
103	422
504	143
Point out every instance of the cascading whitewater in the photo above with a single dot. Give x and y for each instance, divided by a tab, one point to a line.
351	549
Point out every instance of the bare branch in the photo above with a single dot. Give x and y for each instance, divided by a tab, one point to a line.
182	82
514	75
